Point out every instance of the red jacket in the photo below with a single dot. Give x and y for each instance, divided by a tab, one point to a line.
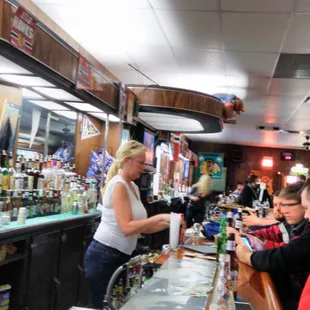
275	235
304	302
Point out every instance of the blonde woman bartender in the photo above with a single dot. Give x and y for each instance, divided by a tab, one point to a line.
123	219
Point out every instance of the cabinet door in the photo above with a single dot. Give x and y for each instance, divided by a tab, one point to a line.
42	279
69	264
83	294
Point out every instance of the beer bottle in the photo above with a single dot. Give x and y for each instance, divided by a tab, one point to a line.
230	220
239	223
231	250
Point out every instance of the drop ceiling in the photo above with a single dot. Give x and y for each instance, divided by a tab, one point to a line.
209	46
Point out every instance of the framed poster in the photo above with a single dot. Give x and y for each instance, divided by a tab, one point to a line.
211	164
9	123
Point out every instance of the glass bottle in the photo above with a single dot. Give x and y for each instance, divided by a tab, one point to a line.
230	220
5	173
222	296
222	238
231	251
239	223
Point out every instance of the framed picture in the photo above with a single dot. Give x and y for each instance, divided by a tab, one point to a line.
9	123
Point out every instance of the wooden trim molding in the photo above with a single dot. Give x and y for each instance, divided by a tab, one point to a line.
206	109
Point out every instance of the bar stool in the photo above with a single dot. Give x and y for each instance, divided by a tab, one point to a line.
133	274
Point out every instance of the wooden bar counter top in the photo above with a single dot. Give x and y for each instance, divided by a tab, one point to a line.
254	286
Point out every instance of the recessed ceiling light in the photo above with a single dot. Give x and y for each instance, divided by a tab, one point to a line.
68	114
56	93
85	107
103	116
171	122
7	66
28	94
49	105
25	80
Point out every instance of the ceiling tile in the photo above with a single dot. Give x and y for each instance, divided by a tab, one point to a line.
199	5
153	59
303	6
283	102
191	28
258	6
199	61
290	87
131	76
255	86
262	33
298	37
250	63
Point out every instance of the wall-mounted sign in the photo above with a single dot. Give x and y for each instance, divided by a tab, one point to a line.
299	169
88	129
22	30
288	156
211	164
87	77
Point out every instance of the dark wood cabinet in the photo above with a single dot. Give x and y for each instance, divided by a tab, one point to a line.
47	272
69	264
42	279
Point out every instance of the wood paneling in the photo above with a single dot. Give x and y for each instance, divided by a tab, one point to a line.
1	16
83	147
178	99
114	138
252	158
53	54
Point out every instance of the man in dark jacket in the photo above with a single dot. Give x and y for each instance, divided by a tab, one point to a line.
250	192
288	264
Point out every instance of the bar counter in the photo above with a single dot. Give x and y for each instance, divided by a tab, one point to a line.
253	286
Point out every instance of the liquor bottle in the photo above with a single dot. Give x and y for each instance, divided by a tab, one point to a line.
257	211
230	220
75	207
239	223
19	178
92	194
30	174
222	238
11	172
222	297
5	174
231	250
22	161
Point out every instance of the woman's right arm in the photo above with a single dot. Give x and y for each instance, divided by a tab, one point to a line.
123	214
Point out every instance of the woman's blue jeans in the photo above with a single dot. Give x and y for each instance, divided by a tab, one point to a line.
100	263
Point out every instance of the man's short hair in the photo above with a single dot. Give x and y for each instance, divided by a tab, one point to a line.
292	191
252	178
306	188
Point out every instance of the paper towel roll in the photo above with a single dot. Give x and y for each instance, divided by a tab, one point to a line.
175	222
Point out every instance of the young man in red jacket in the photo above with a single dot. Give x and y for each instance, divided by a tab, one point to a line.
304	302
288	264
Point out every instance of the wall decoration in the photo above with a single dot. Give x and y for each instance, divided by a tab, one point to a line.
88	129
9	123
211	164
175	145
22	31
87	77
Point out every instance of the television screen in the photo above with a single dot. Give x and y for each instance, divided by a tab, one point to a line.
149	141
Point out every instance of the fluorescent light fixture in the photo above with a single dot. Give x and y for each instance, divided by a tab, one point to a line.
85	107
49	105
170	122
24	80
68	114
28	94
267	162
57	94
103	116
7	66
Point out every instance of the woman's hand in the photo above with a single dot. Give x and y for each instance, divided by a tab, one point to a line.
244	254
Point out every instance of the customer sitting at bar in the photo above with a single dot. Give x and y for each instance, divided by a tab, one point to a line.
304	302
196	208
250	192
123	219
288	264
253	220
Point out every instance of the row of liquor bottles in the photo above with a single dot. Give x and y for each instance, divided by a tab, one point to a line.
29	174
